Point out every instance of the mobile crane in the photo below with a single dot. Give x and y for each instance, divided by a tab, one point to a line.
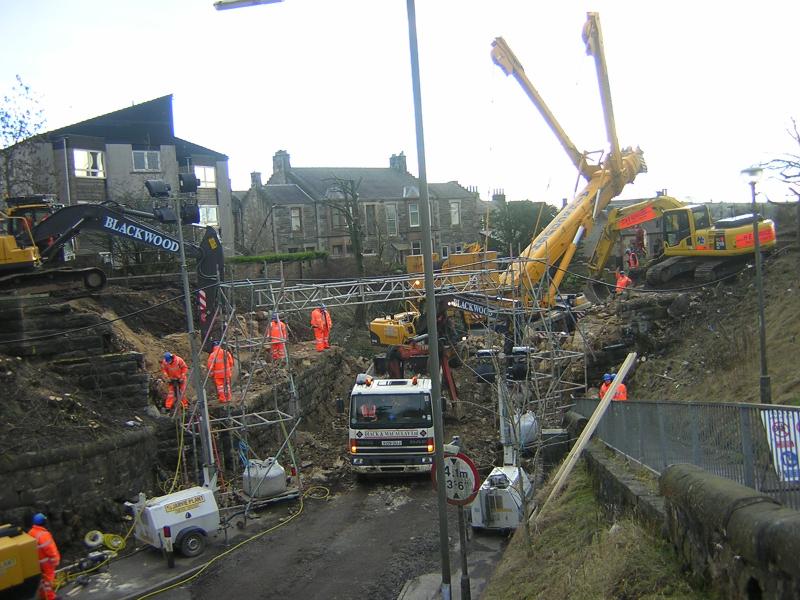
693	242
29	254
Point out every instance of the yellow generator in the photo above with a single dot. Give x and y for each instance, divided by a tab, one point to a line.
19	563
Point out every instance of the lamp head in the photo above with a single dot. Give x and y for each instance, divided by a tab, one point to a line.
752	174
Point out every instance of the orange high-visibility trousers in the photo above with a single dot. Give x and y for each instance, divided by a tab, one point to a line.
176	389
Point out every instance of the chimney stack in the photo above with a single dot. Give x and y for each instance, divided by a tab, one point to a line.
398	162
498	196
255	179
281	165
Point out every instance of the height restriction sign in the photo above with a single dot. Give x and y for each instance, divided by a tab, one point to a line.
460	479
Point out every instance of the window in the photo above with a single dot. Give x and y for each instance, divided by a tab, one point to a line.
338	250
455	213
297	219
311	249
370	219
391	219
89	163
445	250
338	219
293	250
208	215
416	248
458	249
413	214
146	160
207	176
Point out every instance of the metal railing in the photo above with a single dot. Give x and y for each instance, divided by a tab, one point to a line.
755	445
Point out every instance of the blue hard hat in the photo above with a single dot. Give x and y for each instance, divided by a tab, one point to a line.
608	377
215	342
39	519
322	305
274	316
168	356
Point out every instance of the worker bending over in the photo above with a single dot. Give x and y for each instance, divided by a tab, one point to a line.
321	323
620	394
220	365
49	556
278	334
175	371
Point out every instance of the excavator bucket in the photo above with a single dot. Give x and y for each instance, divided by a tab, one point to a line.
596	292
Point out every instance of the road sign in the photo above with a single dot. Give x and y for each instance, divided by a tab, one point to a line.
460	479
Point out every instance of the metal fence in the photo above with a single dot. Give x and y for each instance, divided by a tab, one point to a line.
755	445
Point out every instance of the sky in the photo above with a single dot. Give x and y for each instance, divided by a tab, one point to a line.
704	88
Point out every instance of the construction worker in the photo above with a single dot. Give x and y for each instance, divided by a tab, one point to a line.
633	259
49	556
220	366
278	335
175	371
321	323
623	281
620	394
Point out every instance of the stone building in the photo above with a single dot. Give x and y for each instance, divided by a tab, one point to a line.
111	156
296	210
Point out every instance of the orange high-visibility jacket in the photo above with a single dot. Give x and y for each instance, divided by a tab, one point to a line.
277	332
220	363
177	369
320	319
48	551
621	393
623	281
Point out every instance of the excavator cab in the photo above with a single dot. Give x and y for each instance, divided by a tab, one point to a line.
681	226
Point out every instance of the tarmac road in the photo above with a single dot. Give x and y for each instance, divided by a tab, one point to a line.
364	543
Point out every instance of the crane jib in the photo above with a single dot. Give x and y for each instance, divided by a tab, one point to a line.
139	233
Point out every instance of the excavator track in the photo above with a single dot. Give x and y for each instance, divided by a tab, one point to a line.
703	269
91	278
666	270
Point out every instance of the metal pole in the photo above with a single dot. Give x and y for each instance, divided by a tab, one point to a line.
462	537
430	295
209	470
764	382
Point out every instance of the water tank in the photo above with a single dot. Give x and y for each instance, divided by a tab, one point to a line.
263	478
528	427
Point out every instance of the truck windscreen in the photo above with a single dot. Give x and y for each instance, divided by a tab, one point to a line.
390	410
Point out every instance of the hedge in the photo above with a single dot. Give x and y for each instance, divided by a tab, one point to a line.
279	257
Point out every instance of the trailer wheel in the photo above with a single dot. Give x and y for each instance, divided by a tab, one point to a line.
193	544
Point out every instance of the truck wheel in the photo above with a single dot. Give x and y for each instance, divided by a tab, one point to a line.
193	544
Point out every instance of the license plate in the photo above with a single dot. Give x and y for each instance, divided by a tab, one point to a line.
392	443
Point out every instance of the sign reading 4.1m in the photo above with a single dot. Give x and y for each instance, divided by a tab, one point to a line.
460	479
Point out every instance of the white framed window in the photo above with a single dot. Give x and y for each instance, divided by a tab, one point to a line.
208	215
146	160
413	214
296	214
89	163
391	219
458	249
206	175
416	248
445	250
455	212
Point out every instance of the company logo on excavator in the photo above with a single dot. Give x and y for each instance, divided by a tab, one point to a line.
138	233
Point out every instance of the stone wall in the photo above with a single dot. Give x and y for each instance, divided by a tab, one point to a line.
741	541
114	377
79	487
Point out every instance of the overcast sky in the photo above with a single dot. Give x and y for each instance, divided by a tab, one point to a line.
705	88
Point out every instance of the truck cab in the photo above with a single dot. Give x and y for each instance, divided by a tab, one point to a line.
390	426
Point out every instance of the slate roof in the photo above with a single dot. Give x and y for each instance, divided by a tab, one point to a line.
280	193
186	148
376	183
450	190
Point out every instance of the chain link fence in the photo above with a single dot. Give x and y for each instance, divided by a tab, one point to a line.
755	445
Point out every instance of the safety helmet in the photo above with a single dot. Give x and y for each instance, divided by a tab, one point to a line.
274	316
215	342
39	519
322	305
168	356
622	272
607	377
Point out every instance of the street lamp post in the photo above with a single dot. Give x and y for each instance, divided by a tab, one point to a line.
752	176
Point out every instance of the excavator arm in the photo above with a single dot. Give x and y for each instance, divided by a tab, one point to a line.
51	234
623	218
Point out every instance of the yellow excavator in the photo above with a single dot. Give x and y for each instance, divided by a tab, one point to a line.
692	241
550	254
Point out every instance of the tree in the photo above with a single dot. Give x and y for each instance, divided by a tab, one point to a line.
21	123
342	198
787	168
515	224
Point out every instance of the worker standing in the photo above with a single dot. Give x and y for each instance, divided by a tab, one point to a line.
175	371
623	281
633	259
321	323
278	335
49	556
620	394
220	365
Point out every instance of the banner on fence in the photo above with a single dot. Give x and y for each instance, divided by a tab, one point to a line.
783	433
